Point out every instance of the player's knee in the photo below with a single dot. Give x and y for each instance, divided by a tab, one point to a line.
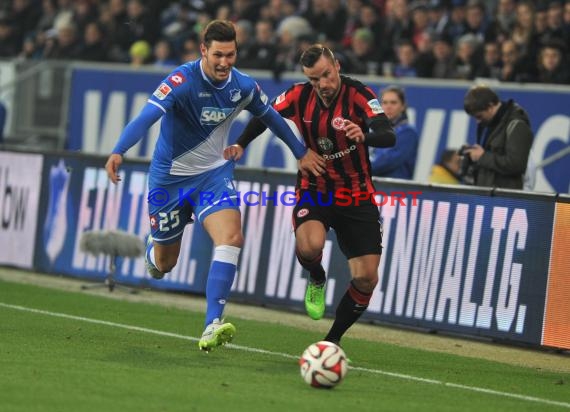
165	263
309	248
234	239
366	284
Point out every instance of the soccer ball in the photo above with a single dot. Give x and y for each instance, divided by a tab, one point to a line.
323	365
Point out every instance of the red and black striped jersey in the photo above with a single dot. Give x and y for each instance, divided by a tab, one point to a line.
348	165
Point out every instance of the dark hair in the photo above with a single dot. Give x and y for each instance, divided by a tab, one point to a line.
395	89
314	53
219	30
447	156
479	98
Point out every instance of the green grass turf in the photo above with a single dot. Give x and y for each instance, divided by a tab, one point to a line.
52	363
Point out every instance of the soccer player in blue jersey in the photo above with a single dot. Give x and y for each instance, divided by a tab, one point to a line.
197	103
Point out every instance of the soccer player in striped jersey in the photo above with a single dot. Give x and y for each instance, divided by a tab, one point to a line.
197	103
338	117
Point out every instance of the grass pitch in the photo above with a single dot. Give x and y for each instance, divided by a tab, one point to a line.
71	351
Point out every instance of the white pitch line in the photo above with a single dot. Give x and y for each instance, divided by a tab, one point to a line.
288	356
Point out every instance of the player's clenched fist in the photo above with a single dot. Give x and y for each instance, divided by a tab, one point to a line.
233	152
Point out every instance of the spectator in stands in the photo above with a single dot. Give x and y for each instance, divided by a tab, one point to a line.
443	58
84	12
456	26
163	55
541	23
438	17
245	39
65	45
398	161
491	67
504	139
353	8
326	17
9	42
475	22
94	45
190	49
555	22
406	55
47	18
552	67
420	22
466	61
523	33
514	68
398	25
446	171
361	58
141	24
370	19
24	18
263	50
503	23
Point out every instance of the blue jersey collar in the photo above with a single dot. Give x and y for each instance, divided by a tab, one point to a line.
219	86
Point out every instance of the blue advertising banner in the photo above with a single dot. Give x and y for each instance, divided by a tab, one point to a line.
103	101
455	259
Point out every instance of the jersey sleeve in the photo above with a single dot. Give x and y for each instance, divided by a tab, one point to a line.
368	103
259	103
285	102
164	97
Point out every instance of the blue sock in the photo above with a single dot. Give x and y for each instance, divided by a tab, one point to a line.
220	279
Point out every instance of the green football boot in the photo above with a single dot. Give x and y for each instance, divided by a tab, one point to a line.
216	334
315	300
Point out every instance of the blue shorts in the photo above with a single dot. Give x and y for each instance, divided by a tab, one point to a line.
170	206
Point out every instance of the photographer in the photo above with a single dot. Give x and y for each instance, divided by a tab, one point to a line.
504	139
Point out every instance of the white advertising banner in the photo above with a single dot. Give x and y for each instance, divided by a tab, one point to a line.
20	185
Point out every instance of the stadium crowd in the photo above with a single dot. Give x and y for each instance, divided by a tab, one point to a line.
506	40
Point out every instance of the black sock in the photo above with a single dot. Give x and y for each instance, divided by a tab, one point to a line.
350	308
314	267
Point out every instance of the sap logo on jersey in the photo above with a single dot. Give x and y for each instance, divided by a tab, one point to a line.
213	115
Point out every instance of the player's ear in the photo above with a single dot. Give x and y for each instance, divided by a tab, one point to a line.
203	49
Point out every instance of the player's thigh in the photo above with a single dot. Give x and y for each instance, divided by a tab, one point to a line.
216	193
311	222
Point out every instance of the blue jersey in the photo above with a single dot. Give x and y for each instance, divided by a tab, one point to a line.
197	118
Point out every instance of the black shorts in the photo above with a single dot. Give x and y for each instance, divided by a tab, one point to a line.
358	229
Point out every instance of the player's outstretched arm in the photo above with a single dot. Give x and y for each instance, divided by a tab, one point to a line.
133	132
309	161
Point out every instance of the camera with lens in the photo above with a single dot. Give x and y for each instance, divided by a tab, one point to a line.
467	169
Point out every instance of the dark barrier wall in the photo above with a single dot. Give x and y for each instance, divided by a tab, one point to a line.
470	261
